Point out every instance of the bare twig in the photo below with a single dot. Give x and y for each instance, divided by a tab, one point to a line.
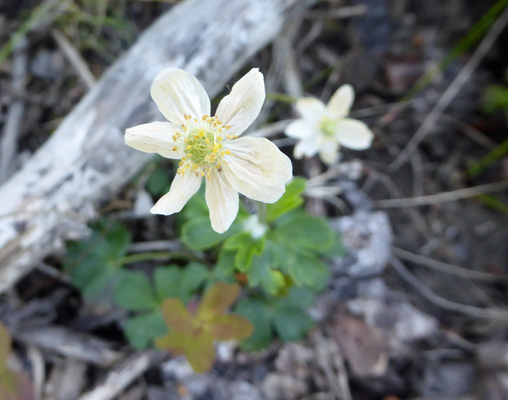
75	59
71	344
444	197
122	376
447	268
451	92
484	313
8	143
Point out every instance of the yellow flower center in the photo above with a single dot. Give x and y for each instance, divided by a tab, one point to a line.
204	145
328	126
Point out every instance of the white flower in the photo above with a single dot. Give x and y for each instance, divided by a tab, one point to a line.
324	128
209	147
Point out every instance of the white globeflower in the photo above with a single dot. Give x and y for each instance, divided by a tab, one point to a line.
324	128
209	147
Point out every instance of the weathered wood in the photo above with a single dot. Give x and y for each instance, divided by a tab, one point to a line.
85	160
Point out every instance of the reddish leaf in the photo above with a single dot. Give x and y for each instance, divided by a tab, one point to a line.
230	327
5	345
201	354
15	386
175	342
217	300
177	317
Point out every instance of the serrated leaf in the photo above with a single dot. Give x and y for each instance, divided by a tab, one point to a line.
292	324
134	291
100	290
198	234
307	270
306	232
158	183
290	200
167	282
193	334
226	261
142	330
193	277
236	241
262	274
297	298
337	249
258	314
177	317
5	346
217	300
246	251
230	327
199	351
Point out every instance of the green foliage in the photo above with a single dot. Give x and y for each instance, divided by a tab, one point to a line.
13	386
288	253
158	182
93	264
290	200
193	333
496	98
284	316
135	292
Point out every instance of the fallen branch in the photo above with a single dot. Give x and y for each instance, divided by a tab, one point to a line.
85	161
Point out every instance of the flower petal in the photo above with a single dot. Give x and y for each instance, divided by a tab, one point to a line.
155	137
341	101
182	189
177	93
311	109
257	168
329	151
301	129
240	108
307	147
354	134
222	200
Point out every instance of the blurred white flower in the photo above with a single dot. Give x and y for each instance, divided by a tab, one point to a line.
209	147
324	128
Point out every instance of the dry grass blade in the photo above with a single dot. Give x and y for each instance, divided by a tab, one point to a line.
444	197
447	268
451	92
476	312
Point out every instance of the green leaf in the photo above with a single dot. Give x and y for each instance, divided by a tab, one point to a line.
297	298
226	262
173	281
307	270
134	291
196	207
236	241
158	182
306	232
92	263
167	282
262	274
142	330
258	314
194	275
292	324
246	252
336	249
290	200
198	234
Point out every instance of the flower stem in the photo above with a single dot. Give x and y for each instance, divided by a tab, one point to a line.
160	255
261	211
